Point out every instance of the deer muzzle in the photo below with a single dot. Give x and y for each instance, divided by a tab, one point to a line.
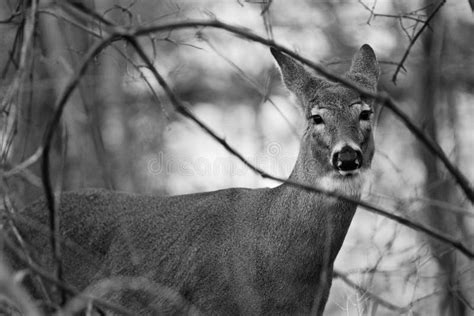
347	160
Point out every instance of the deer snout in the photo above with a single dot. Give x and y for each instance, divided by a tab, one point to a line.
347	160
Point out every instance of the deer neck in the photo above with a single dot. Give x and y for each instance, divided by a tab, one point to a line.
315	219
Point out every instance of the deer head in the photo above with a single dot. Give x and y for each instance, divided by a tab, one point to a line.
337	145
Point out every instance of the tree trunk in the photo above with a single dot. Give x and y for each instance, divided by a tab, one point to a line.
438	185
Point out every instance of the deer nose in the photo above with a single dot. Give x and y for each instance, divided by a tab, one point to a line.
347	159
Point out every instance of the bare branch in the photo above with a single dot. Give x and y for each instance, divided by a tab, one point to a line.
64	286
415	37
182	109
15	293
50	130
363	291
373	14
10	212
130	36
266	7
261	90
25	164
382	97
114	284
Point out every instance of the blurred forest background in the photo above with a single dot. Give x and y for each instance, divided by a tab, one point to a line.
120	131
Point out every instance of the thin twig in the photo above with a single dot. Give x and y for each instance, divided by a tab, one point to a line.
50	130
14	14
97	35
25	34
401	16
15	293
363	291
10	214
66	287
266	18
101	288
266	7
415	37
262	91
25	164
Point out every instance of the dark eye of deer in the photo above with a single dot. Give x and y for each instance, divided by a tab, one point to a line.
365	115
317	119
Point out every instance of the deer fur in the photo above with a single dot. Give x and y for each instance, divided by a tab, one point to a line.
229	252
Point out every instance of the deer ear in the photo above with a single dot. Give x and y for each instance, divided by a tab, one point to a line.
365	68
294	75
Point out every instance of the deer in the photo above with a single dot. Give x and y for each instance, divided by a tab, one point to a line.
237	251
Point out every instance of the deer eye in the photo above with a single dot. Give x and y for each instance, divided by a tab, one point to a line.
365	115
317	119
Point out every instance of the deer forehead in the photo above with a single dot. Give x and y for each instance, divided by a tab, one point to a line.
353	107
335	96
